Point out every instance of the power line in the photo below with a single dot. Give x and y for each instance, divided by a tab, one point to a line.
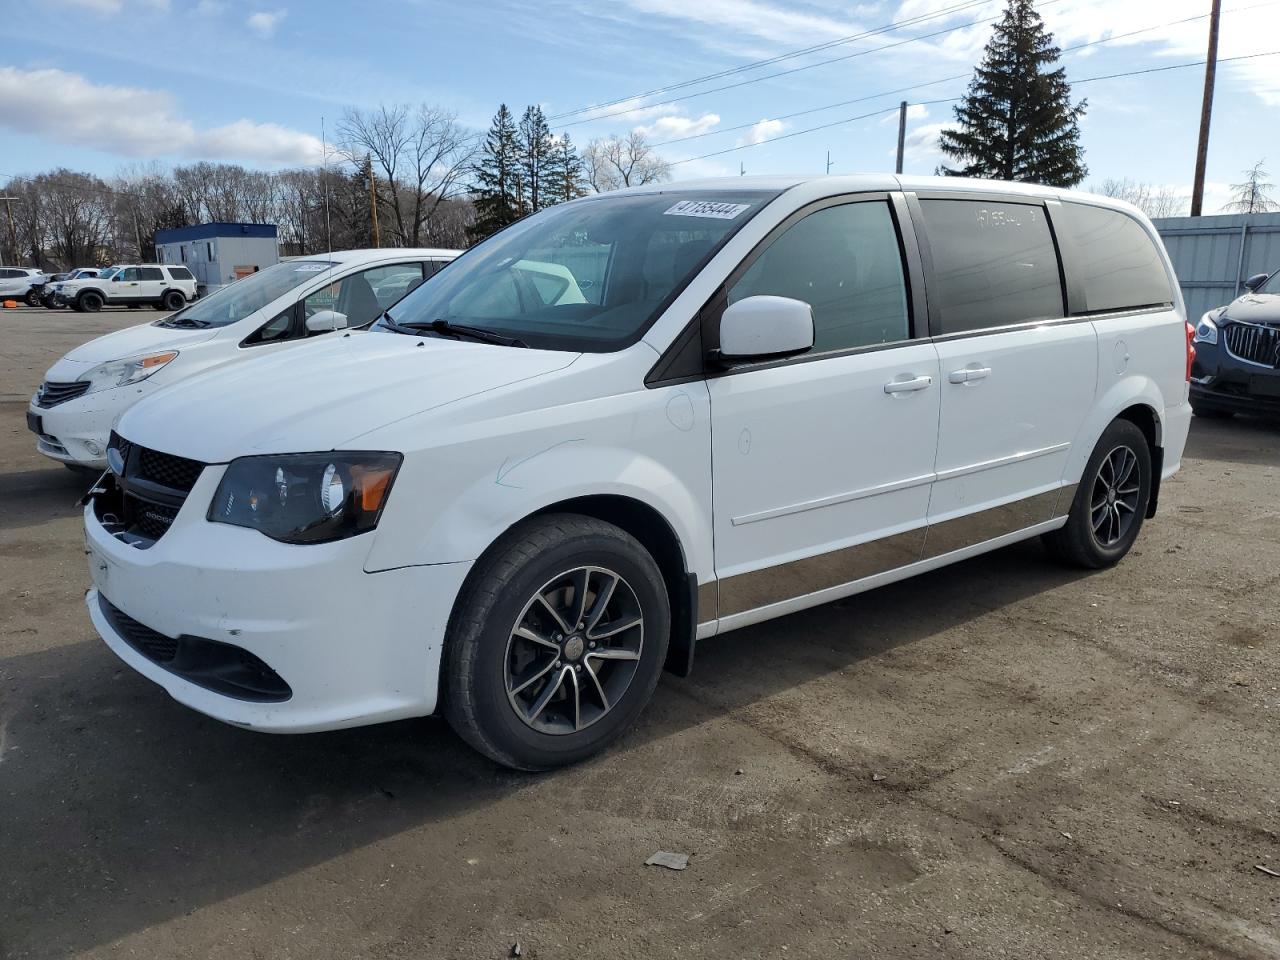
930	83
887	28
865	116
784	73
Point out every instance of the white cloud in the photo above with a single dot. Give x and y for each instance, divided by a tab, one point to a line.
920	150
674	125
762	131
67	108
264	23
755	18
210	8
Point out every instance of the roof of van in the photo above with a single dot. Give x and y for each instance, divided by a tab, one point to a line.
862	182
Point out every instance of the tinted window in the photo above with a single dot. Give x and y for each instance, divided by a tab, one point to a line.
845	263
151	273
1114	261
994	264
180	273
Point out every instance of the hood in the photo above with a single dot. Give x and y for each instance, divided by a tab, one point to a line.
144	338
320	395
1255	308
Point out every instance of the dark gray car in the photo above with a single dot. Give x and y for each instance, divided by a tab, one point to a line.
1237	365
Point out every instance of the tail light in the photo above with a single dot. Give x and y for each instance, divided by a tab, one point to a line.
1191	348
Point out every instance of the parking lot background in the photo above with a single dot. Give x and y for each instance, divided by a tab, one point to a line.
1003	758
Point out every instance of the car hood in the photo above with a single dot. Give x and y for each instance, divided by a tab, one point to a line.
321	395
1255	308
131	341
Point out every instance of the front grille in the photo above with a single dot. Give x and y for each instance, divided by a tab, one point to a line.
177	473
150	643
53	393
153	486
1260	345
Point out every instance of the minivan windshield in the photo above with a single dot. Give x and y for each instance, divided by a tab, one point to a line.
239	299
1272	285
591	275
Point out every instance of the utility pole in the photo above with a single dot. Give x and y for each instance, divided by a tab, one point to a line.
742	169
828	162
1206	109
13	235
373	201
902	132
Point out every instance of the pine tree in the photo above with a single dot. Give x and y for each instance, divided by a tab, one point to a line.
1017	121
496	196
565	174
535	149
1254	195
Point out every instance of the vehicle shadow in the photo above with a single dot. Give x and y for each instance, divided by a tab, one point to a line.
123	809
1253	440
31	497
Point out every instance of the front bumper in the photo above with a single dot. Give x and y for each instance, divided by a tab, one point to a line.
352	647
76	432
1222	381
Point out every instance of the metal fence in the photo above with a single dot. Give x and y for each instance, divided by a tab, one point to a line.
1213	256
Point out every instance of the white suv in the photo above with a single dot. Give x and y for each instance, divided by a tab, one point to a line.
88	389
519	501
21	283
158	285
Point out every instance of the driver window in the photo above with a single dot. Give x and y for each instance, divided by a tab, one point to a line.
843	261
362	296
127	276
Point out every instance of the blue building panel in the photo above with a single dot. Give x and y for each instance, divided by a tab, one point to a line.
211	231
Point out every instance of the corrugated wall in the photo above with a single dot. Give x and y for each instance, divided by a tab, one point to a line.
1206	255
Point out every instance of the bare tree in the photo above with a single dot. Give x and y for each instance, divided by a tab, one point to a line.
422	155
1151	199
76	210
1254	194
623	162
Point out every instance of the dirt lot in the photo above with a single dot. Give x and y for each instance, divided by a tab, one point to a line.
1001	759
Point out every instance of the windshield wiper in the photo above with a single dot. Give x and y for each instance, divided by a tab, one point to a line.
183	322
444	328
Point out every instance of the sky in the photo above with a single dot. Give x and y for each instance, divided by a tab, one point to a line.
97	85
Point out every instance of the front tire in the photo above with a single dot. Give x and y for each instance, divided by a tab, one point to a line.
33	298
1110	503
89	302
556	642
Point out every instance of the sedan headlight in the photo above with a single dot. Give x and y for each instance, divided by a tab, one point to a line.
119	373
1206	329
306	497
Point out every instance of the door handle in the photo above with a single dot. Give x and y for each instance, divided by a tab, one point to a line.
969	374
907	386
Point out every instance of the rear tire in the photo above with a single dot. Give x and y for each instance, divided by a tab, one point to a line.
520	687
1110	502
89	302
173	301
33	298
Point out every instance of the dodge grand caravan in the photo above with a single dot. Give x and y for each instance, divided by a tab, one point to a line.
86	391
517	505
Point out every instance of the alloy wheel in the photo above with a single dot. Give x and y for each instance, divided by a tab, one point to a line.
1113	501
574	650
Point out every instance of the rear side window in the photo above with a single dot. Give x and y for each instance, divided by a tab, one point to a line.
1114	262
151	273
180	273
994	264
843	261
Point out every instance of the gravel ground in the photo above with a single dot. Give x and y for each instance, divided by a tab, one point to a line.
1000	759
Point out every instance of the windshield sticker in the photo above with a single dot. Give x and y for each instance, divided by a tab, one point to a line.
311	268
706	208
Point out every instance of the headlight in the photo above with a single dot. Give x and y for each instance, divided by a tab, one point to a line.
1206	330
305	497
118	373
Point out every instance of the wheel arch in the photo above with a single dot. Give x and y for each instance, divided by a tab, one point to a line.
1144	417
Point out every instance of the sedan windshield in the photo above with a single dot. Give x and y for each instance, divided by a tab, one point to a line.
237	300
591	275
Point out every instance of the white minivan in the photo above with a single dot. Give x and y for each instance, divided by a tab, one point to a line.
528	488
85	392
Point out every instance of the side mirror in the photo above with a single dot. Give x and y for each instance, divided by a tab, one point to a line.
324	321
765	328
1254	282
